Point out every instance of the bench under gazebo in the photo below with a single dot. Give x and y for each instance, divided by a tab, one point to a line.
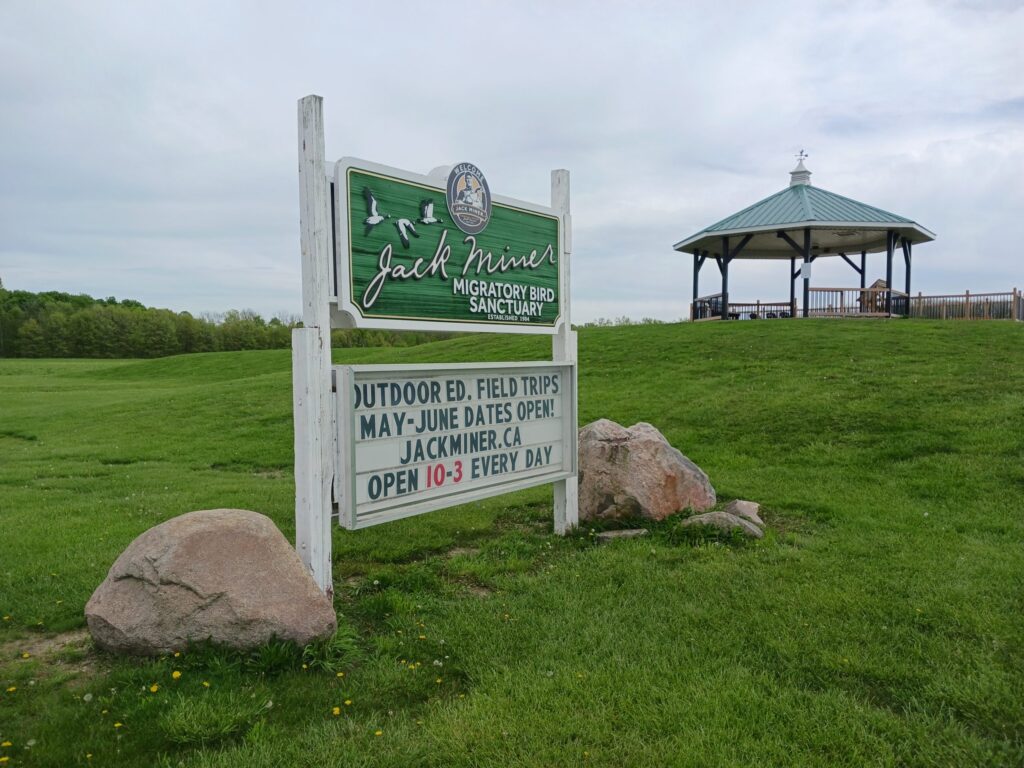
803	223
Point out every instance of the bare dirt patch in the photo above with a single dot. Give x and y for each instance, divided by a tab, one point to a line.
45	645
269	474
67	652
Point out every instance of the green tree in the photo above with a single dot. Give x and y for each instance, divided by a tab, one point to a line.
153	334
242	330
55	330
31	339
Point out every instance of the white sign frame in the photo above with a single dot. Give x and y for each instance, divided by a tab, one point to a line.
345	489
346	314
318	471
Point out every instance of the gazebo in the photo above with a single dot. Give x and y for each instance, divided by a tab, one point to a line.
804	223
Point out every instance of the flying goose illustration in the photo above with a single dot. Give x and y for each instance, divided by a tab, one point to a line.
427	213
405	228
375	217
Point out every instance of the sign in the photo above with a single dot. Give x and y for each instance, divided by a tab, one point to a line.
441	253
413	439
385	248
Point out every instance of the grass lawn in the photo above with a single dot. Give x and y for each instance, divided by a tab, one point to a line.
880	622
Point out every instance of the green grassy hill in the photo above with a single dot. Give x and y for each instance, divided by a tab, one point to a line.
879	622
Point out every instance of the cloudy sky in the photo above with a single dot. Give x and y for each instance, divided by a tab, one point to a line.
148	150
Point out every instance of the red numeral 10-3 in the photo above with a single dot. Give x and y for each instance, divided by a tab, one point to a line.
437	474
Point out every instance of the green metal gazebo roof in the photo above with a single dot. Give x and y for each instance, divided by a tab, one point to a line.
838	224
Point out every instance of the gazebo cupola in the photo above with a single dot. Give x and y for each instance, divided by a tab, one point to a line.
804	223
799	175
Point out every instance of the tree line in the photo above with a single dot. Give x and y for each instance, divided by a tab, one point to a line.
56	324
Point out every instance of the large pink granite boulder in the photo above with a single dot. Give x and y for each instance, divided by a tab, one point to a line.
222	575
635	472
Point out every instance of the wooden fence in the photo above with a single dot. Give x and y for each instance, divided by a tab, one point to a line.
969	306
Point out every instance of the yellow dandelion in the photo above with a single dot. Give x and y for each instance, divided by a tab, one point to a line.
206	683
305	666
104	711
154	688
378	732
25	655
7	618
177	654
6	744
340	674
335	711
12	689
438	680
118	725
423	637
4	759
175	674
348	702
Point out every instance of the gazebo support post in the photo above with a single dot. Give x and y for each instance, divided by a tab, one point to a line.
807	272
792	286
725	278
696	276
890	244
907	245
863	269
805	254
698	264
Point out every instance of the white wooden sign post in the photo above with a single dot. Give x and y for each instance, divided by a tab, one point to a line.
387	248
311	355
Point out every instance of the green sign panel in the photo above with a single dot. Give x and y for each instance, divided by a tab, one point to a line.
414	252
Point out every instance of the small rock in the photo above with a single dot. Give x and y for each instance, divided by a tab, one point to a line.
748	510
723	521
629	533
224	575
635	472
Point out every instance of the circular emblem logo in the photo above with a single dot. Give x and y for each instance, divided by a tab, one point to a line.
469	198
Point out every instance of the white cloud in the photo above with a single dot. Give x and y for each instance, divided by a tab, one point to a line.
149	151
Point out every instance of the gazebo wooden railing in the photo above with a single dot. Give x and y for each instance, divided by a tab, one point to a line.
761	310
710	308
856	302
869	302
707	307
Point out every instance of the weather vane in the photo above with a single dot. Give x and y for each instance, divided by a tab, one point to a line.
802	156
